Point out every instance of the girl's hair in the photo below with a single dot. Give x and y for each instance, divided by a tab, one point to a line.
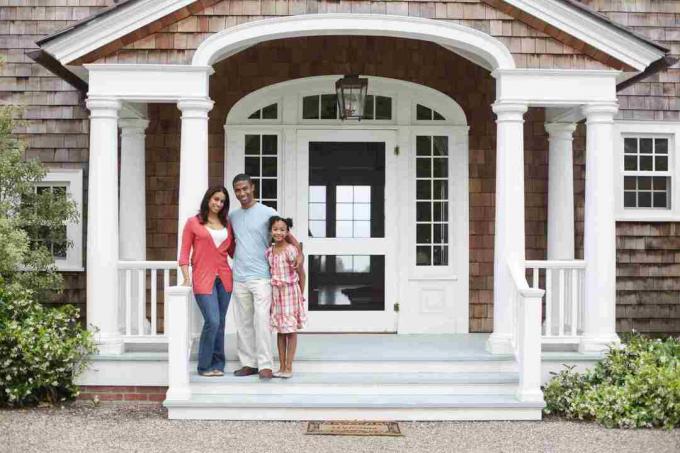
273	219
222	215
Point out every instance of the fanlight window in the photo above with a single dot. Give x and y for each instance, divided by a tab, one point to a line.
270	112
325	107
427	114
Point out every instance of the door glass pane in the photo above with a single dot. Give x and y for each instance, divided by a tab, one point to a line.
346	282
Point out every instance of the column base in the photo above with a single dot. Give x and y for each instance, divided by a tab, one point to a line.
110	344
598	344
499	344
530	396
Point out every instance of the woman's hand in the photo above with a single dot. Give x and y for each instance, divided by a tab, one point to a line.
186	282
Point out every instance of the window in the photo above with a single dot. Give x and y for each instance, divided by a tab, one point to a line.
325	107
269	112
432	201
65	242
427	114
646	174
261	164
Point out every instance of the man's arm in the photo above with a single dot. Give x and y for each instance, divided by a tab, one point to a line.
291	239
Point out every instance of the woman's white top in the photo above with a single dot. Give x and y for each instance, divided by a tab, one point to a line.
218	236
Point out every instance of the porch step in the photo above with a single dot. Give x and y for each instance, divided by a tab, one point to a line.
360	384
353	407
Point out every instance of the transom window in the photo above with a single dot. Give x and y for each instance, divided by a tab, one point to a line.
432	200
647	178
325	107
261	164
270	112
427	114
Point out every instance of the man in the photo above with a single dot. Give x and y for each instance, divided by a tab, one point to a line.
252	287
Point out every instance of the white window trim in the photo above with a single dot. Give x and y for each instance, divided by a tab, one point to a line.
73	180
657	129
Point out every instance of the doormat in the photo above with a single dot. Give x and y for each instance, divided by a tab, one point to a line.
354	428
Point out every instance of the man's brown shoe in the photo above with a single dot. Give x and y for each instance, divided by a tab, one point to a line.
266	374
245	371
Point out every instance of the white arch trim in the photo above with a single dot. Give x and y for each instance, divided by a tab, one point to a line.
442	103
473	44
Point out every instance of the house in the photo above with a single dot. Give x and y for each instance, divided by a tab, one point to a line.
506	204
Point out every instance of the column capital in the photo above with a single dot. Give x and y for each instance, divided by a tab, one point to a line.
509	111
103	107
132	126
602	112
195	108
563	131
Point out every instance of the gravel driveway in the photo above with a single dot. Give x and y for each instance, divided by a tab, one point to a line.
144	428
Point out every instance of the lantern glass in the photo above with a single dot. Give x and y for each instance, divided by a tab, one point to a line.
351	93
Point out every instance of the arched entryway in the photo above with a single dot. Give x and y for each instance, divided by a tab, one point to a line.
381	205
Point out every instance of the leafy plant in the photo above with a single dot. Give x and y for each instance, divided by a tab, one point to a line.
42	350
636	385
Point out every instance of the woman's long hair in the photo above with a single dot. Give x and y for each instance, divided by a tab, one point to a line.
222	215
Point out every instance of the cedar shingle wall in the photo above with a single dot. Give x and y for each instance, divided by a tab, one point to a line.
55	123
656	97
176	43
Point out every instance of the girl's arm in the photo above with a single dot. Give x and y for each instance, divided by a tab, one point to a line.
301	276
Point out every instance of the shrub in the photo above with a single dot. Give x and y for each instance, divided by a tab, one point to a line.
42	350
636	385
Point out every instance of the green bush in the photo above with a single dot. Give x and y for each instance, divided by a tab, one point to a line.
42	350
636	385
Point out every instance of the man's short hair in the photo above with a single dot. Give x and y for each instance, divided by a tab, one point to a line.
241	177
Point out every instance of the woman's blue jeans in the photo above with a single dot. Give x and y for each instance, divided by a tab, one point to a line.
214	310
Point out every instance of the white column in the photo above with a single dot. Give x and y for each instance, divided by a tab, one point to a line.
132	189
509	221
560	191
599	240
102	224
193	160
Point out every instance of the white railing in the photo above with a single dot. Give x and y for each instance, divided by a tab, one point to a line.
140	281
563	304
526	305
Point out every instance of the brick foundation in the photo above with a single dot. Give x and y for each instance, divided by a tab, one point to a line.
148	394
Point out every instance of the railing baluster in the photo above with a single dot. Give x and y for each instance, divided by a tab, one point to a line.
154	302
535	278
141	300
574	300
548	302
166	284
128	302
561	284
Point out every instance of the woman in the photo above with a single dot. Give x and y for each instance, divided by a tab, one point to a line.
209	238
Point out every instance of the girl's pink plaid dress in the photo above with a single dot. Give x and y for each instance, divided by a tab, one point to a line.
288	306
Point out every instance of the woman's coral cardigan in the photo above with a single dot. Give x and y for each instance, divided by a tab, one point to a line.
207	260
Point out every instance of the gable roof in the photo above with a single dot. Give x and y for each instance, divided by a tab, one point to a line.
568	21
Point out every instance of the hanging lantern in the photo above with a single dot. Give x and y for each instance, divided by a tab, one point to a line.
351	93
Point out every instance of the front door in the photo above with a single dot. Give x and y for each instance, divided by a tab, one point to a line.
346	208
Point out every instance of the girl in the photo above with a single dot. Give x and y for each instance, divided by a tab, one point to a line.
208	235
288	284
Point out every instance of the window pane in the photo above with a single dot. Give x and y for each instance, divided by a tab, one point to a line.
270	203
269	188
629	182
252	166
270	112
441	233
441	211
317	194
269	144
629	199
368	108
344	194
362	211
645	146
644	183
383	108
343	229
659	183
423	113
630	163
660	200
424	211
661	146
630	145
343	263
661	163
440	189
440	168
440	255
646	163
329	107
423	233
423	145
317	211
343	211
252	144
423	256
362	194
362	264
317	229
441	146
310	108
423	190
437	116
255	115
423	167
644	199
269	166
362	229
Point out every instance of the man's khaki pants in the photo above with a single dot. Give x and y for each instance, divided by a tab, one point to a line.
252	305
